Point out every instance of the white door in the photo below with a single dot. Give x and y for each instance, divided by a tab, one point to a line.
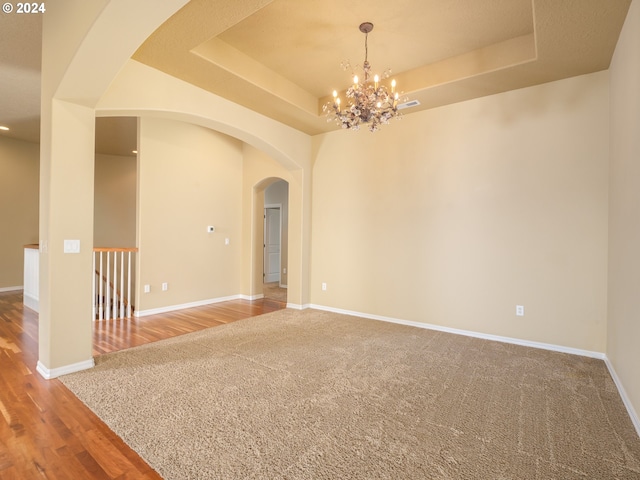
271	245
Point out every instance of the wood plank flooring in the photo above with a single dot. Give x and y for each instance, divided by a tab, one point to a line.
45	431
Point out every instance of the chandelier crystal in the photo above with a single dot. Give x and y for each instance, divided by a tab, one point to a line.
371	102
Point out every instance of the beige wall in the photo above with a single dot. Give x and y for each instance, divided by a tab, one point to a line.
260	172
189	178
19	184
454	216
623	338
280	152
115	201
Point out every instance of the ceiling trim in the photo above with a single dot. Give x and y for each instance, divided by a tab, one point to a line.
221	54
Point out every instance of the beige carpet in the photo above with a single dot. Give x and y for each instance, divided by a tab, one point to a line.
315	395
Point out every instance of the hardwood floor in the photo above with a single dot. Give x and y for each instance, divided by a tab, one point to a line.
45	431
109	336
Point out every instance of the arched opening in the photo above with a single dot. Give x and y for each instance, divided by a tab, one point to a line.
276	241
264	166
270	242
122	88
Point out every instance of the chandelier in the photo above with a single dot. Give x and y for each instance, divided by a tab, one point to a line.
371	102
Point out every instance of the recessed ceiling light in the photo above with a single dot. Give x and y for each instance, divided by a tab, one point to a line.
134	151
2	127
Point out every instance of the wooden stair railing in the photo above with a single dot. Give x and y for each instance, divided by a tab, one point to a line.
112	282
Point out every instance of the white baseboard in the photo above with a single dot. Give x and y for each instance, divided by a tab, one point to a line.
31	302
545	346
297	306
468	333
56	372
516	341
199	303
48	374
623	394
173	308
10	289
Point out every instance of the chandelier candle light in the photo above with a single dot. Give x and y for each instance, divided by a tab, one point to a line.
371	103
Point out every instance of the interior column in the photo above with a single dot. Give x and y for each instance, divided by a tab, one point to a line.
66	237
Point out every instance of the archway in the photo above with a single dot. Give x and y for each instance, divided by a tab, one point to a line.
70	88
73	92
270	194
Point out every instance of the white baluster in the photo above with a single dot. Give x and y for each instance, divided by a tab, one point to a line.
113	290
115	286
93	287
121	285
107	315
101	297
129	286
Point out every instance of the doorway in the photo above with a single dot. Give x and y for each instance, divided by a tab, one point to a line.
275	240
272	243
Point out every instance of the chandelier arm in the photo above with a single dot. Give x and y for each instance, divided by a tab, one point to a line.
372	103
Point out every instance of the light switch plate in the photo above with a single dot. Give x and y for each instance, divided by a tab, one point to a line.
72	246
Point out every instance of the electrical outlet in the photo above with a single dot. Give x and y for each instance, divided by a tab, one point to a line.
147	288
324	287
165	286
284	271
519	310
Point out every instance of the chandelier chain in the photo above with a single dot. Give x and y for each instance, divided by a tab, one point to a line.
366	47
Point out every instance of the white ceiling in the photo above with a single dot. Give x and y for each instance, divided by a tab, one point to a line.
282	58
